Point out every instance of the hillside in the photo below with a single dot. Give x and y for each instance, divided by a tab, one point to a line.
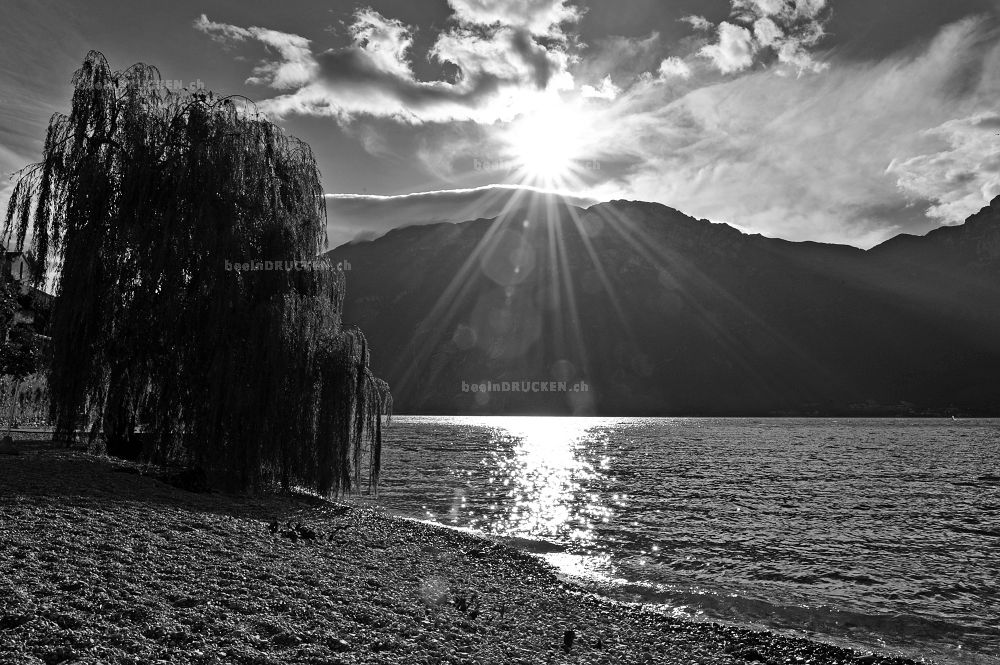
659	313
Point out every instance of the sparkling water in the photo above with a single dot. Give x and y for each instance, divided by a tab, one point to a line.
865	532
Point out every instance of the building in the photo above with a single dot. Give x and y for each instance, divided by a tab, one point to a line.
19	271
19	267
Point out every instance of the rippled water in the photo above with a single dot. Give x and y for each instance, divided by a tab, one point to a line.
882	533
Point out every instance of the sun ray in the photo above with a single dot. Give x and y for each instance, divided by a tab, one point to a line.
442	315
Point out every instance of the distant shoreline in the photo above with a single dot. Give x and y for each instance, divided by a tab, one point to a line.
49	429
108	562
737	417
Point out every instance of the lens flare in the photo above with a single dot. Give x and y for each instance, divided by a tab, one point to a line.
547	143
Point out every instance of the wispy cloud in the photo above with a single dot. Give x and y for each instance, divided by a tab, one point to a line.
698	22
837	156
296	66
960	177
367	216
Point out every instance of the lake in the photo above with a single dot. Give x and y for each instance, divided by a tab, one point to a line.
866	532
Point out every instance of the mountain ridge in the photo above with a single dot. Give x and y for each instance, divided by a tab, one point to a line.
983	213
664	314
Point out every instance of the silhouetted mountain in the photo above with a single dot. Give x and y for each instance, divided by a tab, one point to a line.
662	314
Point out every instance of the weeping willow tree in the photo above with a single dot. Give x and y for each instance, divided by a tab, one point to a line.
144	201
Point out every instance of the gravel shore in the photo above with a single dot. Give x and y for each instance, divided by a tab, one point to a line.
103	562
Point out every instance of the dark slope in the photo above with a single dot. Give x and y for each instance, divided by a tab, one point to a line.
663	314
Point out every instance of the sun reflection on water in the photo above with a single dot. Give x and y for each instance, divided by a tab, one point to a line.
539	473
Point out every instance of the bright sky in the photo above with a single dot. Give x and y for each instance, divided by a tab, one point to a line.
834	120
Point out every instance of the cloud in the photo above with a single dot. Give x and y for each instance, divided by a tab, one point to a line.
767	32
784	29
606	90
506	54
789	10
856	151
622	58
807	157
364	217
539	17
735	49
498	66
674	67
962	177
385	41
698	22
296	66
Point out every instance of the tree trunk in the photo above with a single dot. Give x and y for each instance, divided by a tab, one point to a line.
13	403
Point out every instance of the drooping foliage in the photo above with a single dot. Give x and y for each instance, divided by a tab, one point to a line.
26	401
149	200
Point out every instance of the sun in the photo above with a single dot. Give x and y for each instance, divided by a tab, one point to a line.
547	143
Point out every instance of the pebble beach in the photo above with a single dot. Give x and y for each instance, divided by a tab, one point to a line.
106	562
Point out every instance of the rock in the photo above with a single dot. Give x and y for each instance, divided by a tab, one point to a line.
568	638
11	621
67	621
337	644
298	532
286	639
7	446
59	655
752	655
